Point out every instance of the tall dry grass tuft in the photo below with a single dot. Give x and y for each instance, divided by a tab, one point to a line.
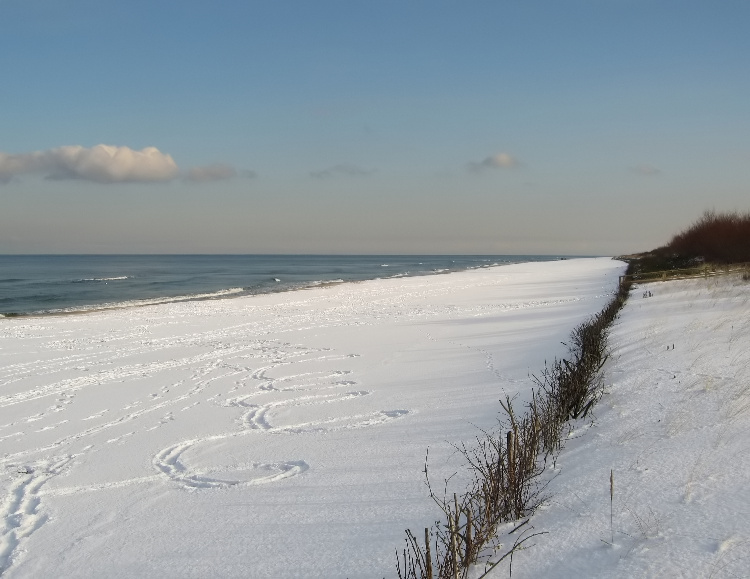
506	464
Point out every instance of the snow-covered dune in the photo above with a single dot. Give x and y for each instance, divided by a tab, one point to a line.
674	428
278	435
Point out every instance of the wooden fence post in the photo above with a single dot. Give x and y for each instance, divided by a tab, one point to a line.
454	547
511	450
427	549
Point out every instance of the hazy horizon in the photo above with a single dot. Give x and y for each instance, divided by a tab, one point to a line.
543	128
582	255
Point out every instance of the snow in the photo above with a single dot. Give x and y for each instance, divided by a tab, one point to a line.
674	428
284	435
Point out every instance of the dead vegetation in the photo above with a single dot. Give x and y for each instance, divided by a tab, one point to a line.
506	464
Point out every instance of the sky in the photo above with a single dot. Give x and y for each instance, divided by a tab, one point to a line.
580	127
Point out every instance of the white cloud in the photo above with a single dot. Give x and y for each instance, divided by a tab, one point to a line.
498	161
101	164
215	172
647	170
343	170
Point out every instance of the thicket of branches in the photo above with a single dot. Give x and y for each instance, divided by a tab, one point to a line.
715	237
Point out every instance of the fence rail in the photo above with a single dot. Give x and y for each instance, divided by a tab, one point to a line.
705	271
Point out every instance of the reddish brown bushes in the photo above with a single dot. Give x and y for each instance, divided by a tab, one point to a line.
715	237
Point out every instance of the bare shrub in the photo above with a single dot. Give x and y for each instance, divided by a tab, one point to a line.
506	464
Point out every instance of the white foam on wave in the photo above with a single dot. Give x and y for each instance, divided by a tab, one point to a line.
321	282
116	278
142	302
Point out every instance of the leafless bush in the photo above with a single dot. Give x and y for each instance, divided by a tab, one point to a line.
506	464
505	470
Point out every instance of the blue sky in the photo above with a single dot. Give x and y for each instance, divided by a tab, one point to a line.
565	126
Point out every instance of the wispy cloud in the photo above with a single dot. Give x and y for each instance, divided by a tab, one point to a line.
215	172
646	169
497	161
343	170
101	164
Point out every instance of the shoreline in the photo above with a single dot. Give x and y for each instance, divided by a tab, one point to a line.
236	292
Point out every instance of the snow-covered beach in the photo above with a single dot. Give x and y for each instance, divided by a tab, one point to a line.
280	435
284	435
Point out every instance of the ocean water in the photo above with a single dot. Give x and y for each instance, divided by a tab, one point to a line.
53	284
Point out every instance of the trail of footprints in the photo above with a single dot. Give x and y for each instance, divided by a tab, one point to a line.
312	388
20	515
261	394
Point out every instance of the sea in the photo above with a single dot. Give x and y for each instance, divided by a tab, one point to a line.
63	284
